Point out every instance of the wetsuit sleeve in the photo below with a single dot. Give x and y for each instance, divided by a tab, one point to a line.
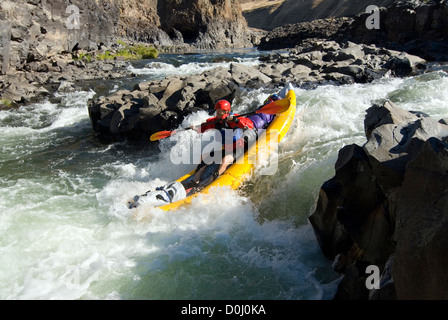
244	122
205	126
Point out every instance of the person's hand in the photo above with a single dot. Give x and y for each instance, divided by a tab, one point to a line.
233	119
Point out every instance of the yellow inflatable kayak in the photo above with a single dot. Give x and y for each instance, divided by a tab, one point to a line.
238	172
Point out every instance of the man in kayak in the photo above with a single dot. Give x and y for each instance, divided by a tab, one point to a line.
227	123
241	140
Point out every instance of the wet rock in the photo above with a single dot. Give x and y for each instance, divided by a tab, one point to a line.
417	27
421	257
319	61
162	105
387	198
343	63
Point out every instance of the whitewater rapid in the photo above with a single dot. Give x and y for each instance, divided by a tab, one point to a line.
66	233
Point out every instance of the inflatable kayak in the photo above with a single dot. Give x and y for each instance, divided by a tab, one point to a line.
174	195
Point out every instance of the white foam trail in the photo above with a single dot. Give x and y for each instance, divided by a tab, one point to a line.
160	70
66	233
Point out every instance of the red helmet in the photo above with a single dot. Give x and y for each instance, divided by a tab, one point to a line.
222	105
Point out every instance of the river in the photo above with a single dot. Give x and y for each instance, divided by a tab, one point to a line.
66	233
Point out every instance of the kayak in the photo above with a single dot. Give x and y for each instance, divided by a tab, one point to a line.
242	168
238	172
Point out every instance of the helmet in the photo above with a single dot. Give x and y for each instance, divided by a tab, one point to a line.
275	97
222	105
271	98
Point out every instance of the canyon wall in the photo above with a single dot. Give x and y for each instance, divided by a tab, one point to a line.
36	29
268	15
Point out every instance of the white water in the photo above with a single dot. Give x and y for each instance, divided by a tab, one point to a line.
65	232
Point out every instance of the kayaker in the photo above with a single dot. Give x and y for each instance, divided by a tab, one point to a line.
224	121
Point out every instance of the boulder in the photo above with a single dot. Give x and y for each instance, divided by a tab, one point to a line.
417	27
387	206
162	105
421	233
242	74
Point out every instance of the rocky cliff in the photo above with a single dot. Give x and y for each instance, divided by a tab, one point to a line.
207	24
417	27
34	30
269	15
387	207
38	37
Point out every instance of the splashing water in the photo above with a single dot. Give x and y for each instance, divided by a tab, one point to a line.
65	231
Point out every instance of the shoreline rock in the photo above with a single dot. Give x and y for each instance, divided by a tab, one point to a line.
162	105
416	27
36	37
60	73
386	206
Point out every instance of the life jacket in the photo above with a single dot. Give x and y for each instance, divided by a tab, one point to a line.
225	129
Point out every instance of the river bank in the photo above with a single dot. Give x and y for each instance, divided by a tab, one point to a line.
153	106
39	76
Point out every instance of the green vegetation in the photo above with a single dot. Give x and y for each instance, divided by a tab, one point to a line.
5	102
145	52
128	52
83	55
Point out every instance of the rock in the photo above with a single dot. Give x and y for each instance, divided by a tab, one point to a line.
162	105
21	91
171	93
352	52
66	86
403	64
421	257
387	200
408	130
330	233
242	74
417	27
352	286
205	24
359	201
386	290
291	35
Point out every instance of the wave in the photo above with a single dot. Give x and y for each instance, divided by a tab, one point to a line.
66	233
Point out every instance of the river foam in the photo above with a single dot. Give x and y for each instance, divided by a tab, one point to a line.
66	233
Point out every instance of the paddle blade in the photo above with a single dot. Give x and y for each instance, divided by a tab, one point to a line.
161	135
275	107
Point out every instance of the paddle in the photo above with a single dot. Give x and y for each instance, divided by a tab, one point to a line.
274	107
